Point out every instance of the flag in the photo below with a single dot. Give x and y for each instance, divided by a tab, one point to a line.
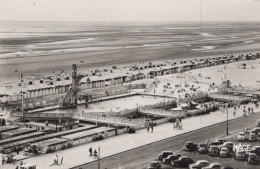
224	72
21	78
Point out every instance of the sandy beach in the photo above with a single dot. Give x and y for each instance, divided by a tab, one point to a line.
103	46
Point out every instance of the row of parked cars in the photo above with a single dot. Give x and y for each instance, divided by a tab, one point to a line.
176	160
248	134
219	147
223	148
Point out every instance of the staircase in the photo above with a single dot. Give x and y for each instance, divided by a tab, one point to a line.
67	99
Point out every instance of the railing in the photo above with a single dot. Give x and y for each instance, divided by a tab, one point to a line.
109	119
173	114
43	115
228	97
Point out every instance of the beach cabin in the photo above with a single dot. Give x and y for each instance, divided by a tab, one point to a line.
189	67
174	70
140	76
124	79
165	71
152	74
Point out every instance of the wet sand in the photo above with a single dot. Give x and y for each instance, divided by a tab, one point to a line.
120	47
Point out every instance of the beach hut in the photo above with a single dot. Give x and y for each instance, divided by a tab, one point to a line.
140	76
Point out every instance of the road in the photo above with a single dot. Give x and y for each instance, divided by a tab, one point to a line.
140	157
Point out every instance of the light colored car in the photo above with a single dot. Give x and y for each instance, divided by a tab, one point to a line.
224	152
213	150
154	165
213	166
241	136
252	137
258	123
229	145
199	164
240	155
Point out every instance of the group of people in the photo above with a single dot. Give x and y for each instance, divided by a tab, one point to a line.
150	124
249	110
91	153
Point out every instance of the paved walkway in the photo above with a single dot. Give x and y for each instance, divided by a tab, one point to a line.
79	154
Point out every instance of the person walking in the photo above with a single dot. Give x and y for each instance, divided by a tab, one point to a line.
90	151
95	153
151	127
148	126
3	160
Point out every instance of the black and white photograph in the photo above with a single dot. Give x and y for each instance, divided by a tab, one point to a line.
129	84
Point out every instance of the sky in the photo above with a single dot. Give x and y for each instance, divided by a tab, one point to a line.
130	10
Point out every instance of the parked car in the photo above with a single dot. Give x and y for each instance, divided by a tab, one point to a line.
183	161
190	146
258	123
165	154
154	165
213	166
170	158
213	150
256	130
224	152
229	145
252	137
241	136
214	143
199	164
28	166
255	149
220	141
240	155
202	149
252	158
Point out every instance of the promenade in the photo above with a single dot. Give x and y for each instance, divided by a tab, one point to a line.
79	155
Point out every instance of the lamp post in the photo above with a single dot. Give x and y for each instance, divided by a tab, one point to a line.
227	122
22	106
99	157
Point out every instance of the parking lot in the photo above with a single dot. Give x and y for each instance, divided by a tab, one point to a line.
225	161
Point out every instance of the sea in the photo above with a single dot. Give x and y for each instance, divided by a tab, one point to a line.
30	38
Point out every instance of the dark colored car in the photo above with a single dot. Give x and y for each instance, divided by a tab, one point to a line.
256	130
154	165
170	158
165	154
256	150
214	143
220	141
182	162
190	146
202	149
252	158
